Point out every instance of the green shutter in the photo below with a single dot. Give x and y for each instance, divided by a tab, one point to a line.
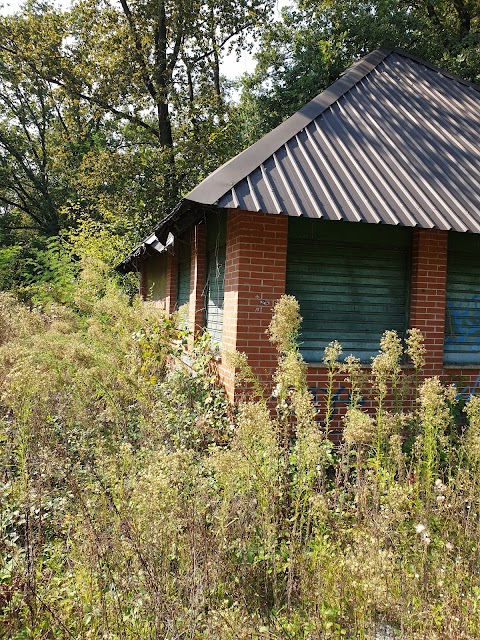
183	275
462	322
216	241
215	292
352	285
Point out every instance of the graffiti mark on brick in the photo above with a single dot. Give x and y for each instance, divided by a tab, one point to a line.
469	389
341	397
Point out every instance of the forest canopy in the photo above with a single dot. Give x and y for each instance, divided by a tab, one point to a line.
112	111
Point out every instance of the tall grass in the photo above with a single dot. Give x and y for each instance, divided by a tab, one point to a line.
136	503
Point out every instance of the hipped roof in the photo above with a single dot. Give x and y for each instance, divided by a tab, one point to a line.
394	140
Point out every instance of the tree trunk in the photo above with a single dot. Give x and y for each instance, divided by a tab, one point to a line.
464	18
163	114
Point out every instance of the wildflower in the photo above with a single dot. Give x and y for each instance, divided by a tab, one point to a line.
356	377
420	528
331	354
359	427
352	367
285	325
415	348
386	365
391	347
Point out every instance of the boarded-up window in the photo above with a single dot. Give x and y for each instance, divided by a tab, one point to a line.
462	322
156	279
352	283
216	249
183	273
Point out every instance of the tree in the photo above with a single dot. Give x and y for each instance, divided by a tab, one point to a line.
109	112
316	41
43	135
148	63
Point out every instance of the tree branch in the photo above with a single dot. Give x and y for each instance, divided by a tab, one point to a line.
22	208
178	40
11	203
221	44
101	103
139	50
20	160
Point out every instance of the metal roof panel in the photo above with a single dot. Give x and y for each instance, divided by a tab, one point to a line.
395	140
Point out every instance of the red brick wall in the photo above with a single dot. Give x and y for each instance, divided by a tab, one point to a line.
427	306
256	251
428	292
255	278
197	279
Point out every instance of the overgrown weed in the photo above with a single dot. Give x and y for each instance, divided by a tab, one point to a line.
137	504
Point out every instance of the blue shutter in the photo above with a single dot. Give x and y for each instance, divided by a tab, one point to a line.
462	321
352	283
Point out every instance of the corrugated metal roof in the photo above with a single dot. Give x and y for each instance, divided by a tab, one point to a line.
394	140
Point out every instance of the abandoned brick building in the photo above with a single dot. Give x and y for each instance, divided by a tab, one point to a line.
365	205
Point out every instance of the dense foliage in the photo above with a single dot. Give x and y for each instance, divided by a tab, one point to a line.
135	501
136	504
306	51
110	112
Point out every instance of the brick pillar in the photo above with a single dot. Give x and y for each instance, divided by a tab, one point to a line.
171	286
256	253
196	313
428	293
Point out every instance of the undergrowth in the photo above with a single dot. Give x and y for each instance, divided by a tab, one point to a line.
136	503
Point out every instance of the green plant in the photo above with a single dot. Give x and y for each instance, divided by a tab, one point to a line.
135	502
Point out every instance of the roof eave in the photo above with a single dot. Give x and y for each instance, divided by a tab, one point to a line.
186	213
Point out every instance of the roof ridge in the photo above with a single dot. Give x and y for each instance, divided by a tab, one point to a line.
211	188
433	67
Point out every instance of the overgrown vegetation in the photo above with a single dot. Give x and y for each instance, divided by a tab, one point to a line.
137	504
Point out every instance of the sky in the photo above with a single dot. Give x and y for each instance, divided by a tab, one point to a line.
231	67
